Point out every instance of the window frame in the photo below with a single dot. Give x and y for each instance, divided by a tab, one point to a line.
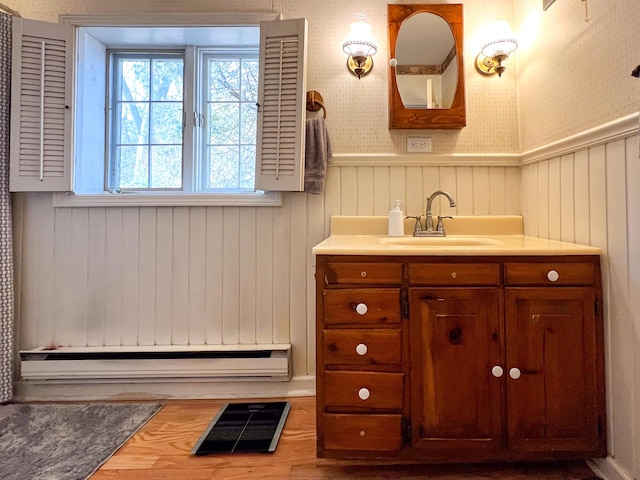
169	198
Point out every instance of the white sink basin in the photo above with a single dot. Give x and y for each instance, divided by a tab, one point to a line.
451	241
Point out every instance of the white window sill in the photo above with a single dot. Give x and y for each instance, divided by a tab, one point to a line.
167	199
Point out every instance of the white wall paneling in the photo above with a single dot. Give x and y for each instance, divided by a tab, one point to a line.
589	196
127	276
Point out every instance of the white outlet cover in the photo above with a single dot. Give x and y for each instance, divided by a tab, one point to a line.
418	144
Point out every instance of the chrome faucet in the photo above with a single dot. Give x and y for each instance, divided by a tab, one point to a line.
429	231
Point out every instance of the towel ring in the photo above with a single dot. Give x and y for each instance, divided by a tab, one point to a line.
315	102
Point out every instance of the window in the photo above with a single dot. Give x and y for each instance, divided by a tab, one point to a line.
169	114
229	100
145	140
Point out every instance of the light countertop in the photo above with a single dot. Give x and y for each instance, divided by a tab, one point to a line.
466	235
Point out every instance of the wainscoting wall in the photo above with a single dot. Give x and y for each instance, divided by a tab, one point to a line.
590	194
215	275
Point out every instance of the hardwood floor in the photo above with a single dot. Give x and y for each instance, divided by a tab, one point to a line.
161	451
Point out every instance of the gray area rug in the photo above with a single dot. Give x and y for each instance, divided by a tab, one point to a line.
65	441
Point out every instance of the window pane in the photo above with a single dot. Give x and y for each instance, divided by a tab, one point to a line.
134	167
223	123
167	80
248	123
224	80
166	123
223	167
135	79
134	123
248	167
166	167
149	109
249	80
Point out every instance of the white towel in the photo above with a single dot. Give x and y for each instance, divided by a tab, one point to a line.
317	155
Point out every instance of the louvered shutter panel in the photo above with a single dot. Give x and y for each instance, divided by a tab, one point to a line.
41	89
281	112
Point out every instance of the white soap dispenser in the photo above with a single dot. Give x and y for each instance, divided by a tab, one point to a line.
396	220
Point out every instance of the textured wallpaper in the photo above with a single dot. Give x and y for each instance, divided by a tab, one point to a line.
567	75
574	72
357	109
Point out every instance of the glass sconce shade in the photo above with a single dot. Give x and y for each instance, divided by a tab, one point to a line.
360	42
503	42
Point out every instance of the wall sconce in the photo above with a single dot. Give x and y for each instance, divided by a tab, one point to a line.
496	51
360	46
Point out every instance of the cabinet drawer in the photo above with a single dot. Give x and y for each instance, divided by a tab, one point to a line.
363	273
362	305
362	347
549	273
374	390
454	273
362	432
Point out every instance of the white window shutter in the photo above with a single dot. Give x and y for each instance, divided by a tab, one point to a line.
281	111
41	89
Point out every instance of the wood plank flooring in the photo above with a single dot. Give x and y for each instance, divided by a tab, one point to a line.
161	451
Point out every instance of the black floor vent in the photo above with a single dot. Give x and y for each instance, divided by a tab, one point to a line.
244	427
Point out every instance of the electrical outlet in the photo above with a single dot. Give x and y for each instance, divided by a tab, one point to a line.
418	144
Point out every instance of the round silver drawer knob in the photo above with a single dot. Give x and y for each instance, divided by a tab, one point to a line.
363	274
364	393
362	433
497	371
514	373
361	309
553	276
361	349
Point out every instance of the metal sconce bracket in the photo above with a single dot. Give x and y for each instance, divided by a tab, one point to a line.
359	70
486	65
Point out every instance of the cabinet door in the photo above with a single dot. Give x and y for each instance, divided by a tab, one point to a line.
456	339
553	397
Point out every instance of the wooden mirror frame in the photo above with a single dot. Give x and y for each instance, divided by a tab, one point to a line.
439	118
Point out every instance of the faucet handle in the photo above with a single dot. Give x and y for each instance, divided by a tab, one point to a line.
418	225
440	226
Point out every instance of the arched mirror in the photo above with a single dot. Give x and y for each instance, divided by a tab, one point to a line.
426	88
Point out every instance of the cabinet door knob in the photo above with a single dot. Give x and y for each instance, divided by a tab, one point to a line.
497	371
361	349
361	308
514	373
553	276
364	393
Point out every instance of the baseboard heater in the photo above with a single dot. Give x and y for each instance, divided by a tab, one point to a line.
268	362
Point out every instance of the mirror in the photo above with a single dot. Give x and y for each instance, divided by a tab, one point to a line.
426	88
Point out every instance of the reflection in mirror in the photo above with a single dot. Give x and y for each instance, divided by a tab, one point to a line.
426	81
426	77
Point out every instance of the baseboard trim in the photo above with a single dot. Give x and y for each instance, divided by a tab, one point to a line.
608	469
183	389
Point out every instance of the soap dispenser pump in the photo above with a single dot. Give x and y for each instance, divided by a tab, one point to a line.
396	220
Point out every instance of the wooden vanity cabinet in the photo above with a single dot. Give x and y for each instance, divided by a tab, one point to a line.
360	376
467	359
456	337
554	369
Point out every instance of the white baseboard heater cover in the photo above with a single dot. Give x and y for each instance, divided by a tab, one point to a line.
155	362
